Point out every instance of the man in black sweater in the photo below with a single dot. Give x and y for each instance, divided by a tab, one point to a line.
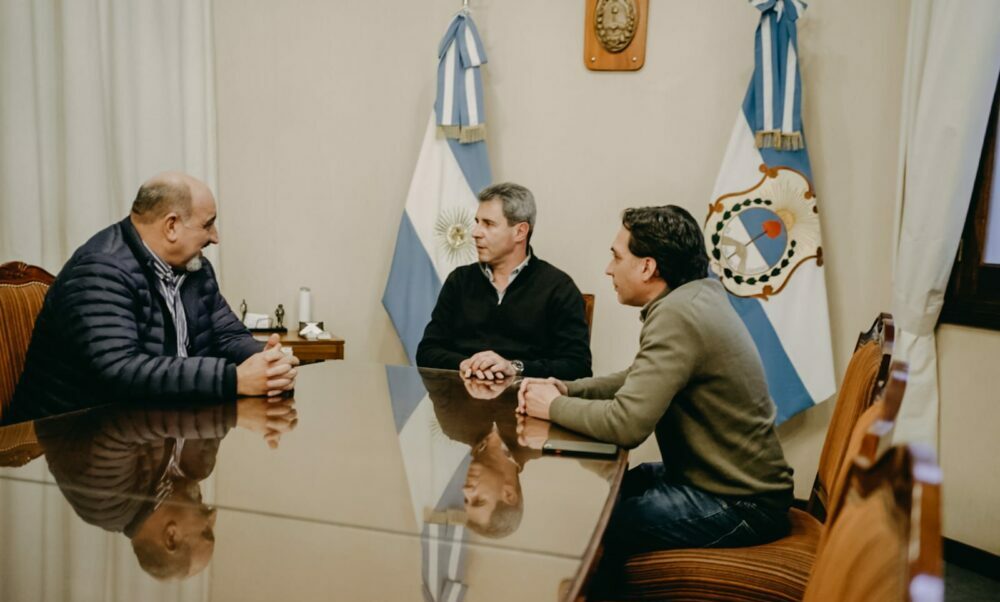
511	313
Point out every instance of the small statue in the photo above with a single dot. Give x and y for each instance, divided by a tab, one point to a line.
243	311
279	316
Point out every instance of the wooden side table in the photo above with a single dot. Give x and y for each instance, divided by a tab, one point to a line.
311	351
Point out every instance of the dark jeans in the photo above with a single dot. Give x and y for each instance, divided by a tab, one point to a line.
654	514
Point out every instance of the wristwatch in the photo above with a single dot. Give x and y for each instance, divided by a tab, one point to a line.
518	367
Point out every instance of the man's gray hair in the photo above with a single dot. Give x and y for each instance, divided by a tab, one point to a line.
159	197
518	203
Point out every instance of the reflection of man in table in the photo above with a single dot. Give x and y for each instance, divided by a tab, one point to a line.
138	472
492	488
511	312
136	313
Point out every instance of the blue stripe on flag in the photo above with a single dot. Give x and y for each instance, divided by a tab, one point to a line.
474	162
797	159
412	289
453	496
787	390
406	389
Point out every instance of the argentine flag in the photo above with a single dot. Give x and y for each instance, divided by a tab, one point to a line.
435	233
436	469
762	231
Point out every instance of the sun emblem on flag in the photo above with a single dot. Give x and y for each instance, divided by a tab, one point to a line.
454	232
758	237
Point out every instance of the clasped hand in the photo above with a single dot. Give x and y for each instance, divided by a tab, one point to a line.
535	396
269	372
487	365
486	389
269	417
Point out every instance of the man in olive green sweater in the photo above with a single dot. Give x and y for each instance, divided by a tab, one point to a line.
698	382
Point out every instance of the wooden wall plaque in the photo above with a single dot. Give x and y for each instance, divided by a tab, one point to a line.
614	35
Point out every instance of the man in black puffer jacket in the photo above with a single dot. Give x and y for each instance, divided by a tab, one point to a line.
137	313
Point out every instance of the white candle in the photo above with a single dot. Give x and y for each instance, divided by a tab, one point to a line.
305	304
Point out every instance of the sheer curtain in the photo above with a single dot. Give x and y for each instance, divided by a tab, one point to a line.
95	97
952	62
48	554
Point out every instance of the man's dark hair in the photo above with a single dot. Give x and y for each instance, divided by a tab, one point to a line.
158	198
669	235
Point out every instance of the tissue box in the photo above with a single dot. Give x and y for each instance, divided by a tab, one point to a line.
253	321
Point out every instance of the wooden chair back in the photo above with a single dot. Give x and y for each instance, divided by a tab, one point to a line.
884	540
865	377
22	292
872	434
19	444
588	309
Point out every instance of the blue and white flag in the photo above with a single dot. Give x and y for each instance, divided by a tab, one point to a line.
762	232
436	468
435	233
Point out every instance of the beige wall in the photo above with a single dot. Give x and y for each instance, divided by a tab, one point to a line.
322	105
970	407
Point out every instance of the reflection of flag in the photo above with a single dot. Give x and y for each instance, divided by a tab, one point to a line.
436	468
435	231
762	231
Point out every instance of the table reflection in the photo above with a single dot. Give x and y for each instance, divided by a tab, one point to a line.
138	470
439	469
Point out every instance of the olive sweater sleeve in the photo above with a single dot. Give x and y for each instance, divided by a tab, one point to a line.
627	413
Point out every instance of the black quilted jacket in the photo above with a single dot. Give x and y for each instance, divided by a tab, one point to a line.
108	463
104	334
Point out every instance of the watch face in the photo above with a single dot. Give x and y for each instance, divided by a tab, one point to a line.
518	366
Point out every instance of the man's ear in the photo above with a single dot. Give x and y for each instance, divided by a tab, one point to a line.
521	231
508	493
170	536
649	270
171	225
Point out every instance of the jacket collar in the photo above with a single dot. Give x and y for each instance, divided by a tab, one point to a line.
134	242
649	306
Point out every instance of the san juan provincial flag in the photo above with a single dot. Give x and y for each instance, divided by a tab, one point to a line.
762	232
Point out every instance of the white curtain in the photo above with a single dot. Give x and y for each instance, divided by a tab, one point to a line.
952	62
48	554
95	97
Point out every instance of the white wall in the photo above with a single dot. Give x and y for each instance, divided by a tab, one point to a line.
967	364
322	104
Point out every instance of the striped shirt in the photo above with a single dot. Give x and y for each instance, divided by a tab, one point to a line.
169	284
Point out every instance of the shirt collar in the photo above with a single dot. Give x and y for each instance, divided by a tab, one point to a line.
163	270
488	271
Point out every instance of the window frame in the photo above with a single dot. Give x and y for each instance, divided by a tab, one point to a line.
973	294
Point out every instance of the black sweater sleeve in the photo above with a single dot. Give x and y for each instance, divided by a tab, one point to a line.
568	353
433	350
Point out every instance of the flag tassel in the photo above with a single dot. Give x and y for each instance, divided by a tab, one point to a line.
778	140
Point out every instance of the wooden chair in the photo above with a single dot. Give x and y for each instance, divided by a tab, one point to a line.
588	310
22	292
884	539
863	379
19	444
778	570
